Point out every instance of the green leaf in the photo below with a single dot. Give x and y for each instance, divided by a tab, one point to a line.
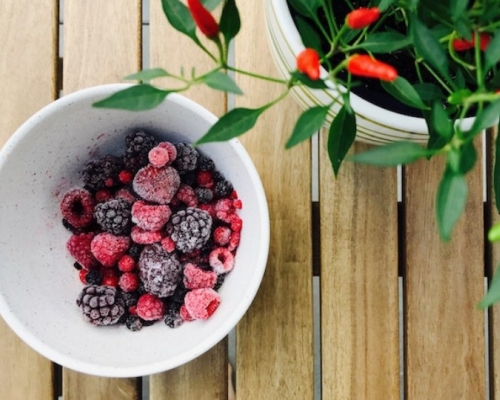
135	98
180	18
307	8
496	172
450	202
459	96
384	42
309	35
492	54
458	8
487	118
440	121
148	74
341	136
300	77
233	124
463	159
494	233
392	154
230	23
428	91
384	4
221	81
463	27
493	294
309	122
428	46
402	90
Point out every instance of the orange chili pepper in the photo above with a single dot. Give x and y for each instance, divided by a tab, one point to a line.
362	17
308	63
364	65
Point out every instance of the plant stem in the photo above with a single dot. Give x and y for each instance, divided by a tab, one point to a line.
254	75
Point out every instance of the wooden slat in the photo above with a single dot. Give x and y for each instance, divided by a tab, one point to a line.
359	280
28	37
101	45
444	282
274	357
206	376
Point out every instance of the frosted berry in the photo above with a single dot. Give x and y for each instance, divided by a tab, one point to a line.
160	272
205	179
128	282
108	248
138	146
110	280
77	207
223	188
125	176
202	303
93	277
190	229
187	157
187	195
184	313
133	323
236	223
222	235
103	195
141	236
113	216
173	318
125	194
130	298
126	263
102	172
150	307
158	157
168	244
79	246
204	195
209	208
157	185
171	149
100	305
221	260
205	163
234	241
150	217
197	278
220	281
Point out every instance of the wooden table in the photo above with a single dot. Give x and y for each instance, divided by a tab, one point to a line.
392	296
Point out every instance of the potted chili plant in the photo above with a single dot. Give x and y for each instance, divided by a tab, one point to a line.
326	51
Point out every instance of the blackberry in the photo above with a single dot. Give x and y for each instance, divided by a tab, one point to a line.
130	298
146	323
113	216
173	317
103	172
189	178
204	195
205	163
134	251
187	157
100	305
217	176
223	188
138	146
93	277
133	323
190	229
220	281
178	295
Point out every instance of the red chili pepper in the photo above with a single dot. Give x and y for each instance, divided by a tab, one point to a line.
464	44
308	63
204	20
364	65
362	17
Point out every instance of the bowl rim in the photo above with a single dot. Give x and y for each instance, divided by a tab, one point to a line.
218	334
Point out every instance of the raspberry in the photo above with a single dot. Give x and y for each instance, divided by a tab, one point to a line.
110	281
224	205
197	278
150	217
125	194
125	176
100	305
236	223
168	244
158	157
204	195
237	204
184	313
113	216
234	241
126	263
141	236
138	146
204	179
82	274
128	282
187	157
157	185
171	149
223	188
77	207
222	235
209	208
133	323
79	246
202	303
103	195
93	277
186	195
190	229
221	260
160	272
108	248
205	163
103	172
150	307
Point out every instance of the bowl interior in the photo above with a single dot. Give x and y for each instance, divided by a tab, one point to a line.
38	284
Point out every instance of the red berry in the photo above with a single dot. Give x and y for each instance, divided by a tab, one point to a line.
150	307
209	208
79	246
126	263
141	236
103	195
185	314
110	280
201	303
82	274
222	235
128	282
168	244
171	149
197	278
237	204
125	194
234	194
205	179
132	310
158	156
108	248
234	241
125	176
236	223
150	217
109	182
77	207
157	185
186	195
221	260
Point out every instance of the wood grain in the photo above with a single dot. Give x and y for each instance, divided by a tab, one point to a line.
101	45
206	376
359	280
274	357
444	282
28	37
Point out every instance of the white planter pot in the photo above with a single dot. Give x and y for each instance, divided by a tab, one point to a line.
374	124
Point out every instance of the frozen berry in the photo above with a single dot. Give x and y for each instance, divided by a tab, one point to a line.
186	195
171	149
184	313
138	146
108	248
173	318
133	323
77	207
204	179
103	195
197	278
158	157
103	172
100	305
209	208
234	241
93	277
189	178
110	280
79	246
150	217
82	274
125	176
141	236
168	244
223	189
179	294
150	307
134	251
220	280
205	163
128	282
202	303
130	298
236	223
113	216
222	235
125	194
190	229
187	157
157	185
221	260
160	272
204	195
126	263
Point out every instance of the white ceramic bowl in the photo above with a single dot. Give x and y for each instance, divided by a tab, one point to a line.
38	284
374	124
